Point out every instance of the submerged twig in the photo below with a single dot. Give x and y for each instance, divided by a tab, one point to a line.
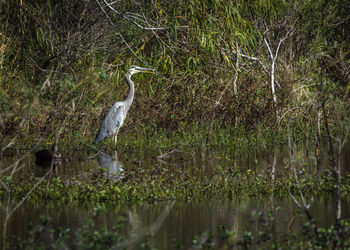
167	154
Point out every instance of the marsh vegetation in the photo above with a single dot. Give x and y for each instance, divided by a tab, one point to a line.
236	82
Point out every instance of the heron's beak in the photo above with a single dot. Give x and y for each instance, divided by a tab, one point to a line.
147	70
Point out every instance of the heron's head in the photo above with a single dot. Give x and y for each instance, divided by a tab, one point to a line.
136	69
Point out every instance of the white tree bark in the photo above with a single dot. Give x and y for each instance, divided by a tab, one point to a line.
273	57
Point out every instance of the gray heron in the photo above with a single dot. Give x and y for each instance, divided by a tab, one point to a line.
116	115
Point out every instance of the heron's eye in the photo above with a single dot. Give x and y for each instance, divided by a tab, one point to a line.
107	131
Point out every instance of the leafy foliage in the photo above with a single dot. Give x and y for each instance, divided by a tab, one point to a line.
62	65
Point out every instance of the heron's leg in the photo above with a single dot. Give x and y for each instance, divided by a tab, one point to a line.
115	156
115	137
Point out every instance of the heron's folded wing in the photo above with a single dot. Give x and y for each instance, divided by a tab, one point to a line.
112	122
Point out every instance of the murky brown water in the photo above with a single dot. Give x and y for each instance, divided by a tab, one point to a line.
171	222
199	161
170	225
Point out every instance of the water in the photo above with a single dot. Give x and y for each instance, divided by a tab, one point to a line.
171	224
165	223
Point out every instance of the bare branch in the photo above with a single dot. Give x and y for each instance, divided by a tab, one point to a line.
120	35
133	18
269	49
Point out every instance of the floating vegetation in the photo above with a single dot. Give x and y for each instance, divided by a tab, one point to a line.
139	185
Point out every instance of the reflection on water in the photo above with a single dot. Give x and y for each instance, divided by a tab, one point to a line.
163	224
48	157
199	162
113	166
138	229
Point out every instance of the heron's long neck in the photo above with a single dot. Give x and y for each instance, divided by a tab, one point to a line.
130	96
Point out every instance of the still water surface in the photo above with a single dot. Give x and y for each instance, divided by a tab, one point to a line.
171	224
167	225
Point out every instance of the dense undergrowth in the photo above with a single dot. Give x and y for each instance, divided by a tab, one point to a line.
59	76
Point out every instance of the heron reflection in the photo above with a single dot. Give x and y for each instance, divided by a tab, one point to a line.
114	167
